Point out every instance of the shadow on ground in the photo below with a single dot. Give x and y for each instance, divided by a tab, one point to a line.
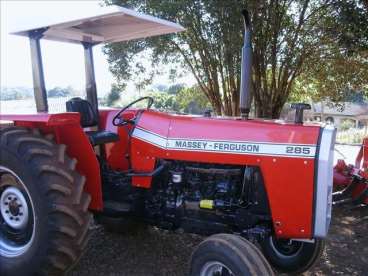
154	252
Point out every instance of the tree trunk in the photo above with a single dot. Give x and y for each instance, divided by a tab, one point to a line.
270	108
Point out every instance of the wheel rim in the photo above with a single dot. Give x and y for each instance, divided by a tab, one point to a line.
215	268
286	248
17	225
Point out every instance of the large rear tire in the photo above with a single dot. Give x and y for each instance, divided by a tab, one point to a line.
230	255
293	257
41	191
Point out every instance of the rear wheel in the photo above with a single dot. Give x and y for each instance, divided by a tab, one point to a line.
44	216
289	256
228	255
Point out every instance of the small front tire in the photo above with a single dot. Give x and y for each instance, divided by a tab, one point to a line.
226	254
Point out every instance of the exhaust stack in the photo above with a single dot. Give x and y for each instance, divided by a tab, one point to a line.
246	68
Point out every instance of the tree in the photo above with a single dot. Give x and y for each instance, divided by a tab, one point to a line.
15	93
339	72
114	95
174	89
164	101
184	100
287	36
191	100
58	92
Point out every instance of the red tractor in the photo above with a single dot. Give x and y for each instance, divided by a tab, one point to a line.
241	180
351	181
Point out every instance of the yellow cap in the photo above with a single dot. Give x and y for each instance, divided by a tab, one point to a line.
206	204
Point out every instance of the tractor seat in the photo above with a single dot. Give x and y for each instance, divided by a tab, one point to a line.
102	137
89	119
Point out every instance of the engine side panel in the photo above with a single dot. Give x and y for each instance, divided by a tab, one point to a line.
284	152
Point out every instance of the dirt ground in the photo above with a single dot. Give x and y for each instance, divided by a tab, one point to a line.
155	252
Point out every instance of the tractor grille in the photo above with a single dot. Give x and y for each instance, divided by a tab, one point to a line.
323	198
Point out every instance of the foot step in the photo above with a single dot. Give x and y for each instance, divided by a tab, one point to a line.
115	206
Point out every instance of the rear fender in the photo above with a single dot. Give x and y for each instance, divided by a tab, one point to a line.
67	130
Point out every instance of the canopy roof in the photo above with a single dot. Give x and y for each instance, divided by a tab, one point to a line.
111	24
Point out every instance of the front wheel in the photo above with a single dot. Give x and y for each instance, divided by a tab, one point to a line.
228	255
288	256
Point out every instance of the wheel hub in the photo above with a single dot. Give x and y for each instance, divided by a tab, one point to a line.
215	268
286	248
17	226
14	208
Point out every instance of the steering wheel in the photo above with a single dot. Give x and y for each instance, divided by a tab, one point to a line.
118	121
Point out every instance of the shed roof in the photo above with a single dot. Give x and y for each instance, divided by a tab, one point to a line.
110	24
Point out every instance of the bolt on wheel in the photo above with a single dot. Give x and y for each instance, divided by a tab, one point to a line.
16	215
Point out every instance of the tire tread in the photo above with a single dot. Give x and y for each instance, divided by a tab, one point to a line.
62	188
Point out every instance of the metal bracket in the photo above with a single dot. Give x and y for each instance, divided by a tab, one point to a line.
304	240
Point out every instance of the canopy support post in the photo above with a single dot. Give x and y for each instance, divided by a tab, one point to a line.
91	89
37	70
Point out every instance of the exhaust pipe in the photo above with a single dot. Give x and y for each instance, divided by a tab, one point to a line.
246	68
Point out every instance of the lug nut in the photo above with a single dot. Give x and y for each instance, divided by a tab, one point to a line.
6	203
6	211
21	214
9	198
17	219
11	218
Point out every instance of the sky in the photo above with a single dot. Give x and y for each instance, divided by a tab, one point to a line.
63	62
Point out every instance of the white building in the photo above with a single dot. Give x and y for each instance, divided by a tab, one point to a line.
322	112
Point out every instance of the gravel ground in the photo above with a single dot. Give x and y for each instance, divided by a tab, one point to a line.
156	252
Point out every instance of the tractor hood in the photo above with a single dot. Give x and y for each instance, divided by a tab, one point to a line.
295	160
110	24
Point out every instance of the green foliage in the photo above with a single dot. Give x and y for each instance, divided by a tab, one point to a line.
20	93
174	89
351	136
164	101
352	21
338	72
186	100
160	87
306	41
60	92
192	100
347	124
340	78
114	95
